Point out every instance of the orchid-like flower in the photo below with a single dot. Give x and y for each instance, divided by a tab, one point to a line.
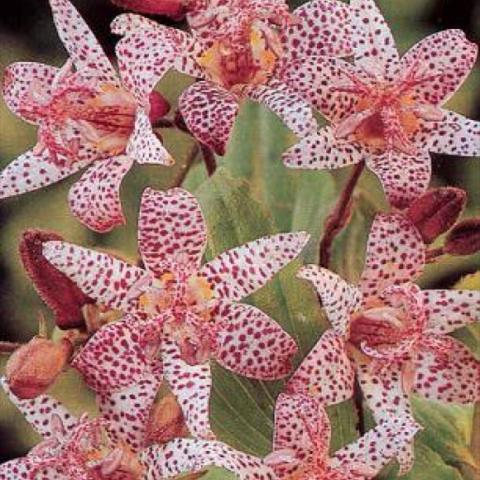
397	334
302	438
83	449
237	49
385	110
187	311
85	116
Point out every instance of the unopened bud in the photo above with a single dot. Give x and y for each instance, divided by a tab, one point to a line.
58	292
464	239
159	107
166	421
174	9
34	367
436	211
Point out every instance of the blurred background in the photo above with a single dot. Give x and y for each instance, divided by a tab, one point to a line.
27	33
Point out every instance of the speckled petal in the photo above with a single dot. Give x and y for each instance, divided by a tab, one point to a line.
252	344
172	234
395	254
99	275
241	271
127	23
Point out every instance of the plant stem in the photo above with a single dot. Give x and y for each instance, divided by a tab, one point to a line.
337	220
185	168
209	159
433	254
9	347
475	438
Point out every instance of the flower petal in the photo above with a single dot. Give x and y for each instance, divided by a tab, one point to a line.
172	234
95	198
251	344
326	372
372	40
445	59
20	78
321	150
38	411
322	28
448	310
127	23
32	171
144	146
191	384
15	469
450	375
395	254
82	46
288	105
99	275
184	455
339	298
209	113
240	271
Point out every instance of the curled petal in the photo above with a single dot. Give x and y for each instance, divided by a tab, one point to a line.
209	113
172	231
128	23
240	271
172	8
251	344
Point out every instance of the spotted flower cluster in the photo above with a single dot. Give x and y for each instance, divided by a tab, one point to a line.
135	330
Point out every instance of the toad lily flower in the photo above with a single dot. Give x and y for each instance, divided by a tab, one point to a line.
85	117
386	110
302	438
189	312
83	449
238	49
397	333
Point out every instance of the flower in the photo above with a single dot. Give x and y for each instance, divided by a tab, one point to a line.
187	311
397	334
385	110
172	8
238	49
85	117
302	438
86	449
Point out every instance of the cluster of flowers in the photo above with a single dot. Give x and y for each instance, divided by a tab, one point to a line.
132	327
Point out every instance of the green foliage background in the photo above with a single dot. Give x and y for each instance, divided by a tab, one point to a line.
252	194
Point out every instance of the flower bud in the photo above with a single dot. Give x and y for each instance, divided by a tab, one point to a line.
174	9
59	293
34	367
159	107
464	239
436	211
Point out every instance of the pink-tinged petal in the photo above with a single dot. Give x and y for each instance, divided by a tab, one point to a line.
404	177
191	384
444	59
95	198
32	171
339	298
82	46
395	254
38	411
16	469
288	105
251	344
326	373
322	28
172	234
449	373
368	455
128	23
321	150
118	355
448	310
240	271
128	410
184	455
372	40
21	79
209	113
144	146
99	275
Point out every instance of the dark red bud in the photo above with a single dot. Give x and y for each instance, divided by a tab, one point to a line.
59	293
159	107
34	367
464	239
174	9
436	211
